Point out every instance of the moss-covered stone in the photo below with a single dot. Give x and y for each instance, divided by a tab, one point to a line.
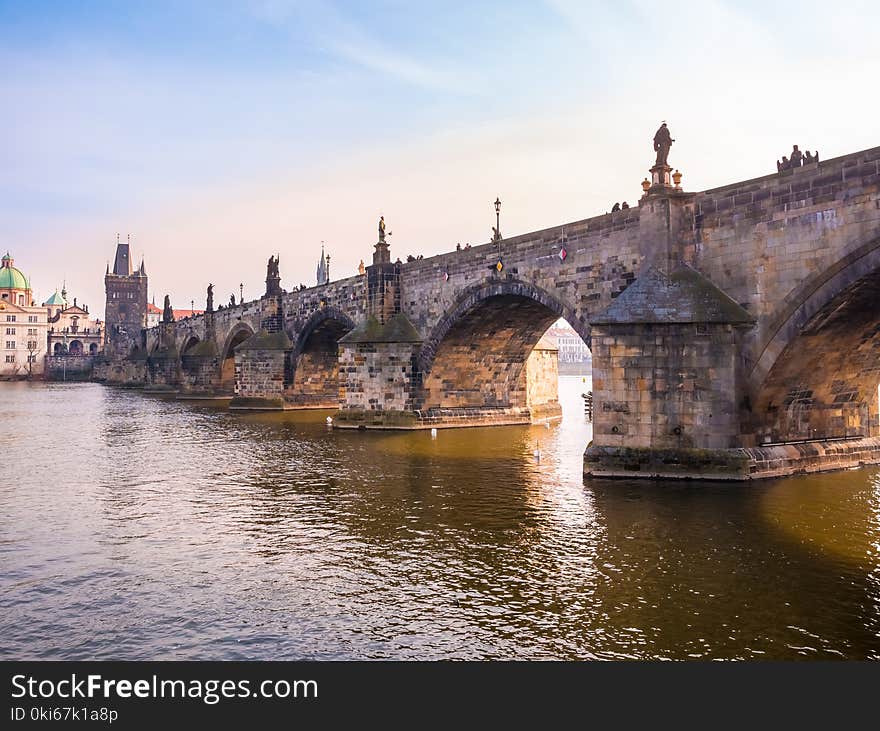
257	404
202	349
376	419
398	329
264	340
705	464
684	296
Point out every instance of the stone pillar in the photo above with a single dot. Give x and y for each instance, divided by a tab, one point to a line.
542	382
163	365
666	228
261	359
379	380
667	377
383	285
200	365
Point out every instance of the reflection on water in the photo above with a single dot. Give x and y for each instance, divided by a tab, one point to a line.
134	527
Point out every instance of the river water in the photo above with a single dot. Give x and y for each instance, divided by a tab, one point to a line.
135	527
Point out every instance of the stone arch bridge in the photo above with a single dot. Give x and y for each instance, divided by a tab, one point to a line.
735	331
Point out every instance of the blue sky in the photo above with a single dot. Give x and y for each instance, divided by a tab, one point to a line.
219	132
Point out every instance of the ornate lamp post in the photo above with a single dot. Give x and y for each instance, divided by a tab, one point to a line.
192	308
241	293
497	235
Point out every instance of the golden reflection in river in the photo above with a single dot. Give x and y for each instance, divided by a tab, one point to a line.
154	528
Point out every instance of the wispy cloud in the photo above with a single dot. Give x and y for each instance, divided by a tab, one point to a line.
274	145
338	34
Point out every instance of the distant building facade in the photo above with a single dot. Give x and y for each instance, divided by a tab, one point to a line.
23	323
125	313
572	349
154	313
71	329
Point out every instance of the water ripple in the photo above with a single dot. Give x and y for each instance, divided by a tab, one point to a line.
144	527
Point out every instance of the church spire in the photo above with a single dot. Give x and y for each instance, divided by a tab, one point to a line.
322	273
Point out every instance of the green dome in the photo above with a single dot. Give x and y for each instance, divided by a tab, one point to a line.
10	277
55	299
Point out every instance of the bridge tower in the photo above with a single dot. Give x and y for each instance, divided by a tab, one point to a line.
125	312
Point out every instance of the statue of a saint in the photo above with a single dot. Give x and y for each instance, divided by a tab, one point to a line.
272	268
232	300
210	305
796	157
662	142
167	312
361	268
381	228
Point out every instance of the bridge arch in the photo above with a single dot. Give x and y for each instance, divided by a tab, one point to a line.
806	300
818	376
312	372
240	332
190	341
475	357
473	296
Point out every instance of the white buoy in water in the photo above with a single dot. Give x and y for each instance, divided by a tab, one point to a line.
433	432
329	420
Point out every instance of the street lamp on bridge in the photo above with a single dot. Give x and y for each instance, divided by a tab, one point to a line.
496	235
241	293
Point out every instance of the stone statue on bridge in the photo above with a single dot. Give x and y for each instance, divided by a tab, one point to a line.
662	142
273	278
232	300
210	305
381	228
272	268
167	312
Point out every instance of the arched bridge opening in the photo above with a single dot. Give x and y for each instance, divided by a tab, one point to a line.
187	362
312	378
488	356
241	332
824	384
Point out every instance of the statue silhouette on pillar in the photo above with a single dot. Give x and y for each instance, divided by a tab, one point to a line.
272	268
210	305
167	312
382	254
660	173
273	278
662	143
